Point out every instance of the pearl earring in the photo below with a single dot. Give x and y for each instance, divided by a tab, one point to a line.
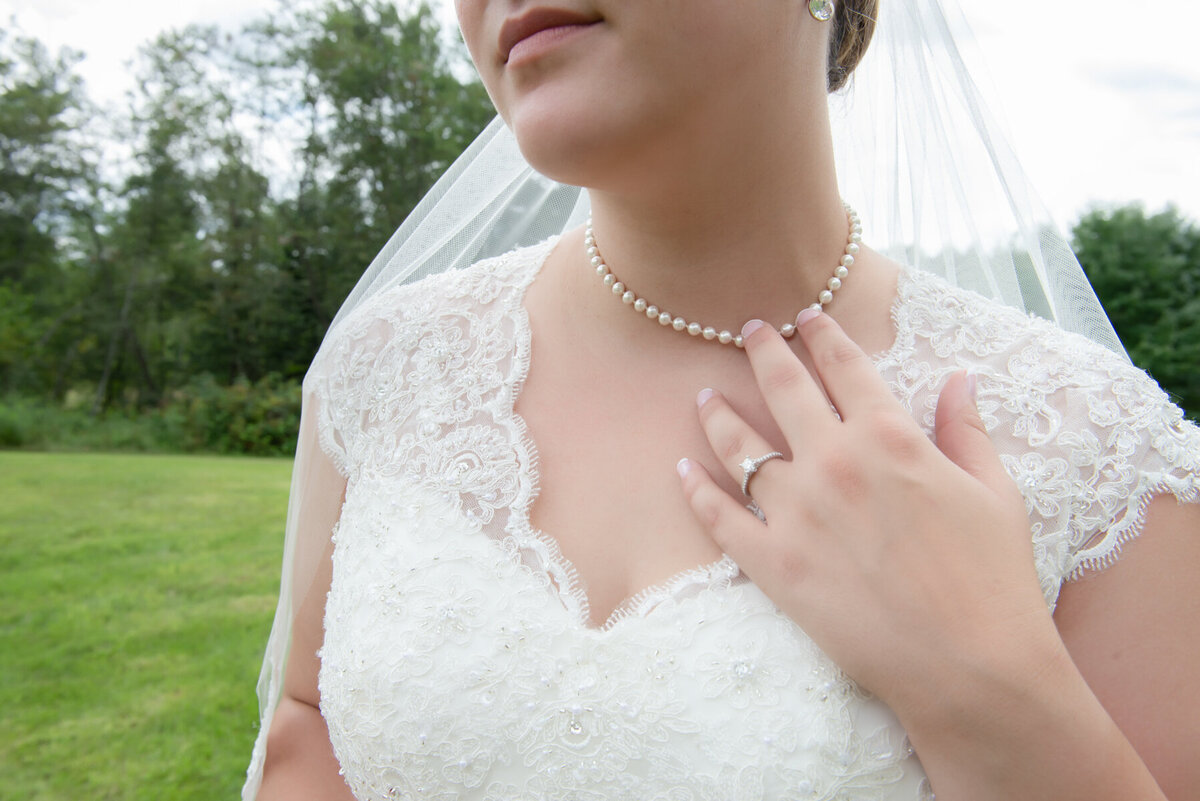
821	10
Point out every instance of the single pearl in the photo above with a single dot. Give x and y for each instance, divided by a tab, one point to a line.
825	297
628	297
835	284
618	288
724	337
693	329
739	342
841	271
679	323
847	260
788	330
592	252
601	271
639	305
652	312
710	333
610	279
596	261
664	319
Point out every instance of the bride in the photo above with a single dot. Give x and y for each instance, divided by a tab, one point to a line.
706	499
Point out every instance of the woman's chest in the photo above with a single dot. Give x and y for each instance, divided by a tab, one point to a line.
452	668
608	437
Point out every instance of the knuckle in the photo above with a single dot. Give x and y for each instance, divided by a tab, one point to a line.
783	378
845	473
896	434
705	504
976	422
793	567
711	517
714	515
734	447
837	353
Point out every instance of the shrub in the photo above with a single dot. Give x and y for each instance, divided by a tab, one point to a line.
14	427
260	418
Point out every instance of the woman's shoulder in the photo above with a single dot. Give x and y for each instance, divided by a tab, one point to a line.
942	322
432	345
396	319
486	283
1088	437
958	321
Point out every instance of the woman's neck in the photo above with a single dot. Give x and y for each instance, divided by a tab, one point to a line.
721	239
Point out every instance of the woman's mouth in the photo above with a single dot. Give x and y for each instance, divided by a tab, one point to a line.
538	30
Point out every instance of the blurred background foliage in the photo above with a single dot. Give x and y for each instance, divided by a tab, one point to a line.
1146	270
167	269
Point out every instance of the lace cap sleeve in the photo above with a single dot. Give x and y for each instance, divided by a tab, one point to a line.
1089	439
1148	449
348	390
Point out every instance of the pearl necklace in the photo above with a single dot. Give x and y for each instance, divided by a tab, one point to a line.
654	312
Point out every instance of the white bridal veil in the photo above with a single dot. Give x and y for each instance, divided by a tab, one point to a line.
918	155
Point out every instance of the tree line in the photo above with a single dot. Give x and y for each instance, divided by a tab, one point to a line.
183	256
255	174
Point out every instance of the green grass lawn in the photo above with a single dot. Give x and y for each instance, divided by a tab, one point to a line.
136	593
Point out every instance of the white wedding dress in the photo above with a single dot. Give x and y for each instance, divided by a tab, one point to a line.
458	662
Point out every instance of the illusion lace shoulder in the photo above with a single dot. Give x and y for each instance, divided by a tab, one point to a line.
458	662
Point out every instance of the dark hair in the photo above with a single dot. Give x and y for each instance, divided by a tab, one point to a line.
853	27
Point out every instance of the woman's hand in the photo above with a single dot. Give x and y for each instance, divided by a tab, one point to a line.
910	564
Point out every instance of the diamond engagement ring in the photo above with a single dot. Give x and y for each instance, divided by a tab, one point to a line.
750	466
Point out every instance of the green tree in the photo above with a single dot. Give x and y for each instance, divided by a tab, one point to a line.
149	312
1146	271
400	116
251	179
381	113
40	104
240	236
43	165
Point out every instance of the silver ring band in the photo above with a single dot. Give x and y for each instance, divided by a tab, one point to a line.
750	466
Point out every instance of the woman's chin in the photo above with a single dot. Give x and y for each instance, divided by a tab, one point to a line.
581	148
559	150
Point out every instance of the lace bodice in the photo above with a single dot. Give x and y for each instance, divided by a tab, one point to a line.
458	663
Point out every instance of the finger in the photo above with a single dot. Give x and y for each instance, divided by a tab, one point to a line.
961	435
790	390
733	527
734	441
847	373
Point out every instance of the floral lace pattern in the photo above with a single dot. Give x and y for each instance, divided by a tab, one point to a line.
458	663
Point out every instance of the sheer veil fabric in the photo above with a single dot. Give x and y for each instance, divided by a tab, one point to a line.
918	155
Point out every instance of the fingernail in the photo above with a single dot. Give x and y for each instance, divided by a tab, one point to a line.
683	467
750	327
972	386
806	315
703	397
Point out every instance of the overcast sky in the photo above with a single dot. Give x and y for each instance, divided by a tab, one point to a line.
1102	97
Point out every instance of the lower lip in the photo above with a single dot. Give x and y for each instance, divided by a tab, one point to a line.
539	44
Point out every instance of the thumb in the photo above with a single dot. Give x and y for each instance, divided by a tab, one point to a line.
961	434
